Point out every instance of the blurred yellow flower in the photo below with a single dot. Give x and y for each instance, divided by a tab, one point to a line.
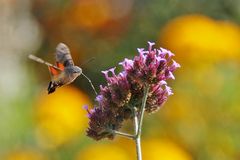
157	149
180	116
24	155
89	14
123	142
60	116
95	14
201	39
100	151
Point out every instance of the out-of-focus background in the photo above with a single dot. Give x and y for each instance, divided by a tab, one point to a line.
200	121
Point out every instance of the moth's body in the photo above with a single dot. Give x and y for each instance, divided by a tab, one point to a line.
65	72
67	76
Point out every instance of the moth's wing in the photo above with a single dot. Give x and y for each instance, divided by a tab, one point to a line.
54	72
63	56
60	66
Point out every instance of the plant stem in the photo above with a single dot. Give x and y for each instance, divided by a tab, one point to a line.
144	100
137	139
126	135
138	120
138	123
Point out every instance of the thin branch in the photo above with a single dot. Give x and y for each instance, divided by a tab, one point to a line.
137	139
138	119
138	148
135	120
142	109
126	135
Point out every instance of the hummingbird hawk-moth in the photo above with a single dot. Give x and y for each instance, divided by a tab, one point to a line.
64	72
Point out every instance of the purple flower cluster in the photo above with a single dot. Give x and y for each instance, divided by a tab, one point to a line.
124	91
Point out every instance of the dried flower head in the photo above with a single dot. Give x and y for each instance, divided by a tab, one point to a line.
102	122
124	91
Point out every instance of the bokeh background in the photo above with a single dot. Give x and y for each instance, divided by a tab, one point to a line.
199	122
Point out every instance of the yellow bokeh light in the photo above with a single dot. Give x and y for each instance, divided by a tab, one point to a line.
157	149
60	116
24	155
103	152
89	14
94	15
131	146
201	39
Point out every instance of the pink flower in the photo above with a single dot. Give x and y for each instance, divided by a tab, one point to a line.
124	91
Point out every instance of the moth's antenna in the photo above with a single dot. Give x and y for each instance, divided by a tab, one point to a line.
39	60
88	61
90	83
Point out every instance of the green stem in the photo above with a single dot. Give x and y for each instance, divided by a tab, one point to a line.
126	135
138	123
142	109
138	120
137	139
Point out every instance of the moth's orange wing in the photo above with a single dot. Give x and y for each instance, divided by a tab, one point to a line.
53	71
60	65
